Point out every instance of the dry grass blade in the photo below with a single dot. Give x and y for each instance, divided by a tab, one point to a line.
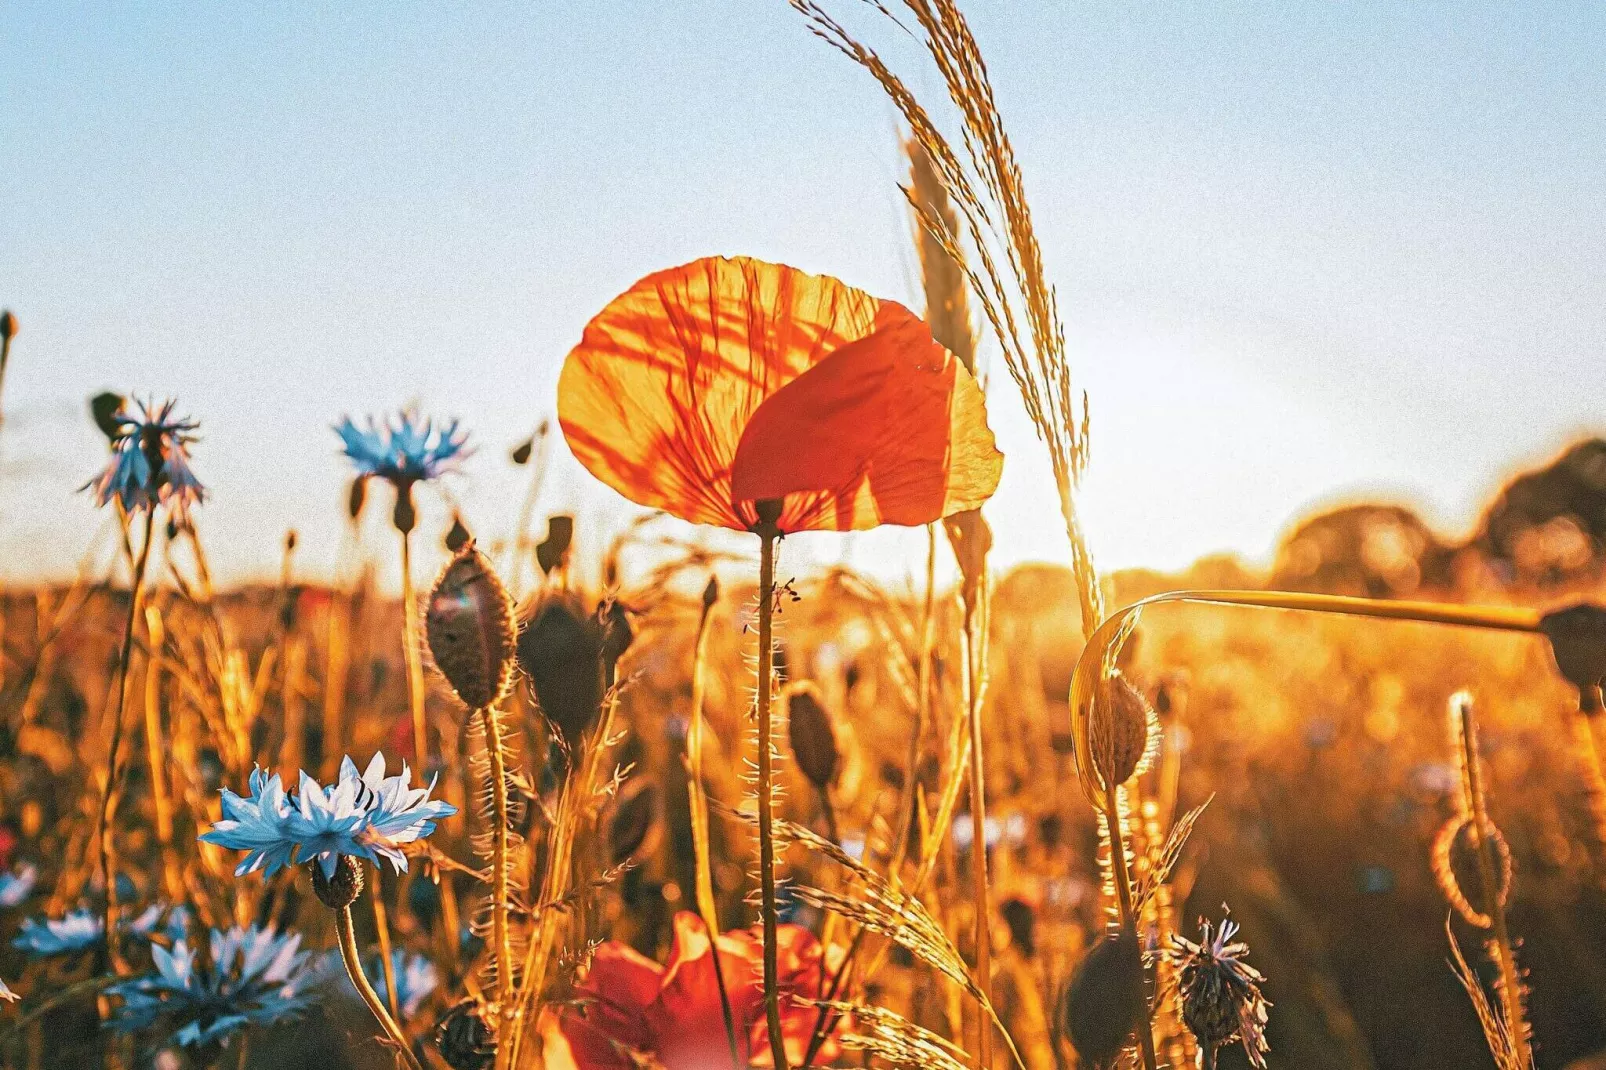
1507	1054
896	1041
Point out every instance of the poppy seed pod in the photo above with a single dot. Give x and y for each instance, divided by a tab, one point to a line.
1105	999
1577	637
458	536
521	452
812	735
1123	732
560	651
553	550
471	630
341	890
463	1038
633	818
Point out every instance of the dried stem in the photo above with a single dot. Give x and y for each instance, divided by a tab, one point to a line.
382	933
156	756
697	800
353	962
108	799
975	688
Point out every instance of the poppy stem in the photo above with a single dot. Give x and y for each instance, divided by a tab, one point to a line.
108	799
768	514
352	959
501	942
412	650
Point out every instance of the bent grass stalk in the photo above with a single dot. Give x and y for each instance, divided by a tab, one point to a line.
697	802
108	799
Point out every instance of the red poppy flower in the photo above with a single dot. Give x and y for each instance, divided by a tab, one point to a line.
630	1004
708	387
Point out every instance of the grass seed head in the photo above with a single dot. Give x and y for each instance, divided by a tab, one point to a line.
1124	731
470	627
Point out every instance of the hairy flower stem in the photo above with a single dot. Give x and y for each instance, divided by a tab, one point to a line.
353	962
108	798
1123	898
501	942
975	655
1482	829
767	532
697	801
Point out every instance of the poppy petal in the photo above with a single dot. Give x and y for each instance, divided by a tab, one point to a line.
890	429
654	399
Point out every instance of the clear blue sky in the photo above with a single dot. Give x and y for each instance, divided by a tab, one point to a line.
1304	251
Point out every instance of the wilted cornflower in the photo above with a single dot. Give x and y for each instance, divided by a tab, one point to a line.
367	815
254	977
83	928
150	464
1220	993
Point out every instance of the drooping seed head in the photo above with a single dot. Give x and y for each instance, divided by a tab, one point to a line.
813	736
470	626
1105	999
1123	731
341	890
634	817
560	652
464	1039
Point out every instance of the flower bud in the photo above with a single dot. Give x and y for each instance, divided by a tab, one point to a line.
404	516
711	593
8	325
459	536
471	630
1123	731
553	551
1577	637
812	735
560	651
464	1039
634	817
356	497
341	890
1105	1000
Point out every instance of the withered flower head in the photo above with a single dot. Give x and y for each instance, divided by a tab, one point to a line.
813	736
471	630
1220	992
464	1039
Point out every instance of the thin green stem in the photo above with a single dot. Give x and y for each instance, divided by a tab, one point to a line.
108	799
353	962
768	534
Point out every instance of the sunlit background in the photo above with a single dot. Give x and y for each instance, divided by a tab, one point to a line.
1304	253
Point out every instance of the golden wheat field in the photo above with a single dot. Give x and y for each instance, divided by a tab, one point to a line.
648	785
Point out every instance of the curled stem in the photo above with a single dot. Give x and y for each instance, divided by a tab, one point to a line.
767	534
353	962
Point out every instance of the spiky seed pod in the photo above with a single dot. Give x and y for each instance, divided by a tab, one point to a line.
1104	1002
812	734
1455	867
356	497
470	627
1124	731
459	536
341	890
634	817
553	551
464	1039
560	651
1220	993
1577	637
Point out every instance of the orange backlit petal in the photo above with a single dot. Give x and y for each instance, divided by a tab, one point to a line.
654	399
890	429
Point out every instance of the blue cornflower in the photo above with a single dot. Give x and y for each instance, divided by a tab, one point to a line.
404	449
83	928
17	885
416	977
364	816
150	462
254	977
71	932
